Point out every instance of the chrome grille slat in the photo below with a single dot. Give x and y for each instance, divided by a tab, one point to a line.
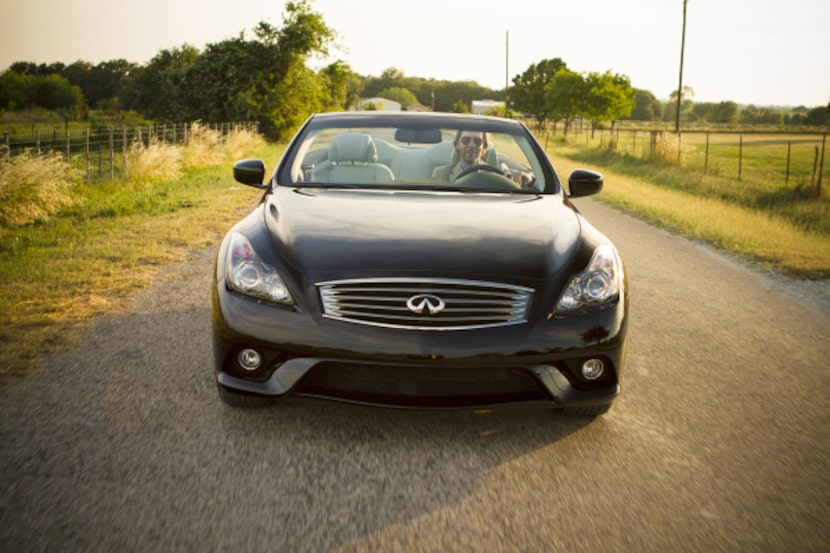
467	304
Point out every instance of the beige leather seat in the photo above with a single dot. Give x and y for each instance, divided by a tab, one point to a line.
352	160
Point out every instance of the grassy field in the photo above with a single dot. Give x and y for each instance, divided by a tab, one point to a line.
784	229
63	270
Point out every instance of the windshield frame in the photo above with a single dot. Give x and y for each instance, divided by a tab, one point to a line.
299	146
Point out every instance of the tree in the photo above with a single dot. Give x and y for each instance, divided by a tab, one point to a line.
724	112
342	86
158	89
460	107
56	93
399	94
107	82
818	116
646	107
566	97
50	91
528	92
16	90
609	98
754	115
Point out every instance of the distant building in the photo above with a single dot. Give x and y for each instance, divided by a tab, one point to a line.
418	107
379	104
488	107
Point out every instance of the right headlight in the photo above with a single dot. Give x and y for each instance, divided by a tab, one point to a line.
248	274
599	284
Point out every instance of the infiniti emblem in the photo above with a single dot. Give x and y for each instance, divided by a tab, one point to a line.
425	302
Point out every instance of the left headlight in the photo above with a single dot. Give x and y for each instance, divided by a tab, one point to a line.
248	274
599	284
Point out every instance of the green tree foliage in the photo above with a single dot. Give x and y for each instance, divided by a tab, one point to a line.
460	107
267	79
753	115
609	98
646	107
399	94
342	86
160	89
440	95
566	97
15	90
49	91
528	92
819	115
709	112
56	93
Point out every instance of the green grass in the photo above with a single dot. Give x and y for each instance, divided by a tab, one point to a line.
771	196
784	231
61	272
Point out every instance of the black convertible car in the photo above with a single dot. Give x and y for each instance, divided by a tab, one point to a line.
418	260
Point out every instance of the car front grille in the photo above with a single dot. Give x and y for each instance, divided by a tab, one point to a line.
425	304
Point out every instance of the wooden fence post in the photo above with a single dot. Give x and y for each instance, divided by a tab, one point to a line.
87	153
821	165
112	155
706	158
740	156
124	148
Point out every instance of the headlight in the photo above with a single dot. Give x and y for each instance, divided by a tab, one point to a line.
599	284
249	275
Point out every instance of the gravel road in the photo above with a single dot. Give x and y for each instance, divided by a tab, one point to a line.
720	441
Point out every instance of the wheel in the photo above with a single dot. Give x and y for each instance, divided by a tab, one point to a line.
236	399
586	410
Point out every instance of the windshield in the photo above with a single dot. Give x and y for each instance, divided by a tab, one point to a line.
416	158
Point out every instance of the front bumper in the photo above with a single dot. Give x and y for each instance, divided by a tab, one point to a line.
306	356
414	387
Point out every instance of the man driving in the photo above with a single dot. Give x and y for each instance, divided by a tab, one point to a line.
471	147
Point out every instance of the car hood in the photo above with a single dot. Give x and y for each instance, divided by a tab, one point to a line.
334	233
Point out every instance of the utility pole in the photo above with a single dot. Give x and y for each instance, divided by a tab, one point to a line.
680	84
506	73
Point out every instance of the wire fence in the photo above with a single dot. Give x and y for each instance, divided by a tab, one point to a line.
102	151
794	160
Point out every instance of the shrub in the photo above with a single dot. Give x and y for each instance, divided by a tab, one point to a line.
32	188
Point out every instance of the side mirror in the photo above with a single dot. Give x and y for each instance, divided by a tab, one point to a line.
582	182
250	172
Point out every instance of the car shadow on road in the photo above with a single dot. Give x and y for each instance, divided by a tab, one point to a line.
125	439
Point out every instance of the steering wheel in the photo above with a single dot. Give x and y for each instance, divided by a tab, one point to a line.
480	167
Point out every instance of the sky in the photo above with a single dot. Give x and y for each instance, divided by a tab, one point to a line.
765	53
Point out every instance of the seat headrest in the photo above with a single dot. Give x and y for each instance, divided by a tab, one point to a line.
353	147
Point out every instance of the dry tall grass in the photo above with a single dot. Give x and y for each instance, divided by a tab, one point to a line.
88	260
32	188
752	234
161	161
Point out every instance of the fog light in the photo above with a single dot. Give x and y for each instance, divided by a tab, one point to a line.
249	359
592	369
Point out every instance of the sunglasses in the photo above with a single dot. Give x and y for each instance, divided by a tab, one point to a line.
465	140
